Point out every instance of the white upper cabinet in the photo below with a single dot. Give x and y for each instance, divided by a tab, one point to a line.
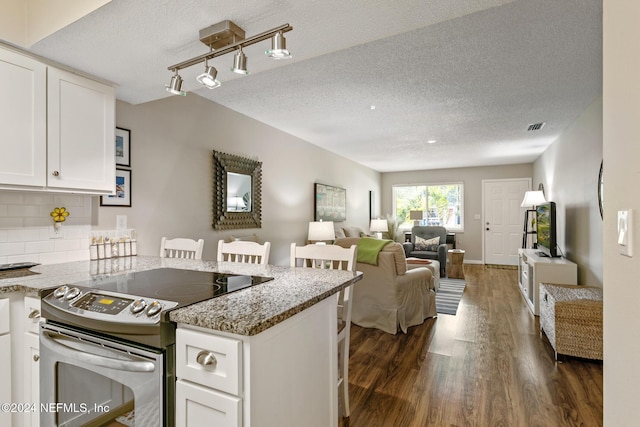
57	128
81	133
23	120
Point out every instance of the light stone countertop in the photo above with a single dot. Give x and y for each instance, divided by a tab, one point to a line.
245	312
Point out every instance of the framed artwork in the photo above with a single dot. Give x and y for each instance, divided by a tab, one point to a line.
330	203
123	147
122	197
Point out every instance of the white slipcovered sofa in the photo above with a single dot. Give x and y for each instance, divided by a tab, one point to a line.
389	296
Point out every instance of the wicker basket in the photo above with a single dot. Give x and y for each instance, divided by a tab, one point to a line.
571	317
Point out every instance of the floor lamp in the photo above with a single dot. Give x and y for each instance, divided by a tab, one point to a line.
531	199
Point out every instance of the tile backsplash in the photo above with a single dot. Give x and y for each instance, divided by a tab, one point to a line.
27	233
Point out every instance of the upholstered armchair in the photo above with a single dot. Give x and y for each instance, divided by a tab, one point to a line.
422	245
389	297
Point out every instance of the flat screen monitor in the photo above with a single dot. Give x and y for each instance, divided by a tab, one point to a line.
546	229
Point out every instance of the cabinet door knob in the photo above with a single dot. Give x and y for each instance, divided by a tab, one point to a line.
206	358
55	173
36	357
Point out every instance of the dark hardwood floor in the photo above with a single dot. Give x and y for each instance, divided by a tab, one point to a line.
485	366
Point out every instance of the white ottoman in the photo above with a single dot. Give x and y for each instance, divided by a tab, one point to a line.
434	266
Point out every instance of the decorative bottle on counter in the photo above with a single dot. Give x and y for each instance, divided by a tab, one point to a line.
100	248
107	248
134	244
93	250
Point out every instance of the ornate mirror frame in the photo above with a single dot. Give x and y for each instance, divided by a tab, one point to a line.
223	219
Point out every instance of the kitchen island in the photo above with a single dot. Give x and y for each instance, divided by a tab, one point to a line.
273	345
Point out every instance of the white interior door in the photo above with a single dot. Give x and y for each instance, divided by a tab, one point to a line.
503	219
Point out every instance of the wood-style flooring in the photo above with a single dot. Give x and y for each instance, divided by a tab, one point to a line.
485	366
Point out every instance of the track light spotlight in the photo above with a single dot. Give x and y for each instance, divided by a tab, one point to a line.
226	37
208	78
175	87
240	62
278	47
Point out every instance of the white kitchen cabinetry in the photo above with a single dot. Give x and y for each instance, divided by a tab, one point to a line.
31	354
58	128
285	375
5	359
23	120
534	269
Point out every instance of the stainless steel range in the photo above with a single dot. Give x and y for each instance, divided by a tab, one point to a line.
107	346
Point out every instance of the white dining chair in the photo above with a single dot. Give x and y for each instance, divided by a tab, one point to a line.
334	257
181	248
243	251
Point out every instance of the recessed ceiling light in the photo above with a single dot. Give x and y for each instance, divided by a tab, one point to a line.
431	141
372	107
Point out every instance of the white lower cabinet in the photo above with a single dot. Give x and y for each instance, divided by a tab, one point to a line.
202	406
285	375
5	359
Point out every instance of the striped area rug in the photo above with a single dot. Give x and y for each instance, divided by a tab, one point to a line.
449	295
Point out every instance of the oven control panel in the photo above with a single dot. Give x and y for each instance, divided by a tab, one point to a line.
108	306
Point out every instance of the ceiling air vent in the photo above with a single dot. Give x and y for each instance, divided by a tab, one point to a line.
535	126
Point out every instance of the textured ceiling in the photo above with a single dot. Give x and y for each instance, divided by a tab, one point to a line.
471	75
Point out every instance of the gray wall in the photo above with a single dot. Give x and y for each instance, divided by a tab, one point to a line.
171	156
569	170
471	239
621	110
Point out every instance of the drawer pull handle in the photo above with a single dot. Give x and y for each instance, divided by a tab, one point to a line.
206	358
35	314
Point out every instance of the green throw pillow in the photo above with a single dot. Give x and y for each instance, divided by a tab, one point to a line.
427	244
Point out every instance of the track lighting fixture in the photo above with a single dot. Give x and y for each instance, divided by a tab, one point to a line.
226	37
175	87
208	78
278	47
240	62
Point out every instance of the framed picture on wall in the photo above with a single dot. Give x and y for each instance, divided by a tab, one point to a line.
122	197
330	203
123	147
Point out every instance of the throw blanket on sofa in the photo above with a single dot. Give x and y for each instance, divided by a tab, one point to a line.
369	248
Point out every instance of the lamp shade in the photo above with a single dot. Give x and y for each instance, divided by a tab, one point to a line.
416	214
379	226
321	230
533	198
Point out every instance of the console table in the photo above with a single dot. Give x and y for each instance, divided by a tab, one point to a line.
534	269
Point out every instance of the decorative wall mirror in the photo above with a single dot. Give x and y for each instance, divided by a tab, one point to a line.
600	190
237	192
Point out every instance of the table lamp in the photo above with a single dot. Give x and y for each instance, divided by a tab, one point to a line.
416	216
379	226
321	231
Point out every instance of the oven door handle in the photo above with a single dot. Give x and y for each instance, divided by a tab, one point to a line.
94	359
